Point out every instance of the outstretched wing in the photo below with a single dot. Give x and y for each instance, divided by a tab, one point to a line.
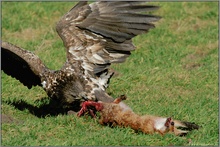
100	33
21	64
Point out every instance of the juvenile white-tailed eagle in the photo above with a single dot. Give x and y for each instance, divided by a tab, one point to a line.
95	35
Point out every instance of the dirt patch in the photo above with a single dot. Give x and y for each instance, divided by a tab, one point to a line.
193	60
8	119
191	66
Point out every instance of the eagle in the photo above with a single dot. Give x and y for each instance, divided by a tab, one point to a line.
95	35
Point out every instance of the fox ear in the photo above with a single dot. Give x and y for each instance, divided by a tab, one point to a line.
168	122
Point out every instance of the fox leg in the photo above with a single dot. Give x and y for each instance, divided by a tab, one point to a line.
119	99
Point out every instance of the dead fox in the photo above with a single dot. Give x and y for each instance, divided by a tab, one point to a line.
118	113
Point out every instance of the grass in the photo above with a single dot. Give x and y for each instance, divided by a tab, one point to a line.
173	72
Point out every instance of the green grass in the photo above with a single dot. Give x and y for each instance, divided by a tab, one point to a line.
173	72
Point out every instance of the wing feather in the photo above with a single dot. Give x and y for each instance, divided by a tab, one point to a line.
21	64
100	33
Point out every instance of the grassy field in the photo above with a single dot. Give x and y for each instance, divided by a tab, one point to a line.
173	72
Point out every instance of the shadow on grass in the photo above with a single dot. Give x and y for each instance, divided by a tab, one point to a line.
51	108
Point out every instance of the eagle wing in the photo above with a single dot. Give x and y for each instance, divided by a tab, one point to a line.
100	33
21	64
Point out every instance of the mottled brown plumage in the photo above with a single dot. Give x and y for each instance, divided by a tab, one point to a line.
95	36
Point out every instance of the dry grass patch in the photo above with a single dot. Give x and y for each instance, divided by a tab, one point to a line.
193	60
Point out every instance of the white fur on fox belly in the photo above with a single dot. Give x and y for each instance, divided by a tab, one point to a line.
159	124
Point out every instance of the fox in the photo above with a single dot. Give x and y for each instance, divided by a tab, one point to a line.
117	113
